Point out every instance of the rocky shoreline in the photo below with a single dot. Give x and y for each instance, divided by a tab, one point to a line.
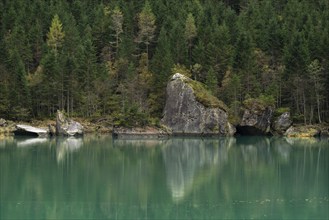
190	110
296	130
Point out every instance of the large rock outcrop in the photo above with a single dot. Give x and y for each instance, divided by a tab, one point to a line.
66	126
190	109
256	119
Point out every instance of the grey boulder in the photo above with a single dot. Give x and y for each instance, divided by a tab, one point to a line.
66	126
186	113
281	123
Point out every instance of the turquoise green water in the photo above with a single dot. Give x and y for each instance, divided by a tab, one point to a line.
191	178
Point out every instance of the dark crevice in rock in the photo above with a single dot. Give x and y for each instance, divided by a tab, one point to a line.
25	133
248	130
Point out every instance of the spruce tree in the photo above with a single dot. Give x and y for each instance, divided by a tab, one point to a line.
55	36
211	81
117	23
146	27
190	33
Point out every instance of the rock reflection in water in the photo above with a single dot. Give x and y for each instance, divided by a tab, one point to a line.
138	142
185	158
282	148
31	142
66	146
255	149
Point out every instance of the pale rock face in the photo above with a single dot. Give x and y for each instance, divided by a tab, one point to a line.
66	126
282	123
3	122
178	76
183	114
30	130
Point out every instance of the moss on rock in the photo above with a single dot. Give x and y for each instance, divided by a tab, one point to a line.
203	96
302	131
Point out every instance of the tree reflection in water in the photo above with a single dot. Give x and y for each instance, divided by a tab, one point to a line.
101	177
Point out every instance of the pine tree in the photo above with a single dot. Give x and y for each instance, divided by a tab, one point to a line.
315	72
161	64
212	81
146	26
19	95
55	36
4	91
178	42
190	33
90	57
117	22
143	82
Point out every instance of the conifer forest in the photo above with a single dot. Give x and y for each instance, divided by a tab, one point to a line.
113	58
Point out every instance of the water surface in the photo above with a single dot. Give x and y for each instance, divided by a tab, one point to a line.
97	177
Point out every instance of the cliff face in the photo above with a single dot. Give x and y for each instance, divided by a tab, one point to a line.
190	109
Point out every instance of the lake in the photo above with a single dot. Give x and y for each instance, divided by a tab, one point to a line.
98	177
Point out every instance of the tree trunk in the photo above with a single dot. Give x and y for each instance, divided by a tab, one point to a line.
147	54
318	106
304	106
311	114
117	44
62	92
68	103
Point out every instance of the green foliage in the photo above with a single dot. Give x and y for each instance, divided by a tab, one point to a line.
88	57
259	103
131	117
55	36
280	111
178	68
146	25
267	100
211	81
190	28
234	113
117	25
190	33
298	118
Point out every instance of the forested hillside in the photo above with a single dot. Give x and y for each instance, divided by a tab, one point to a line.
113	58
